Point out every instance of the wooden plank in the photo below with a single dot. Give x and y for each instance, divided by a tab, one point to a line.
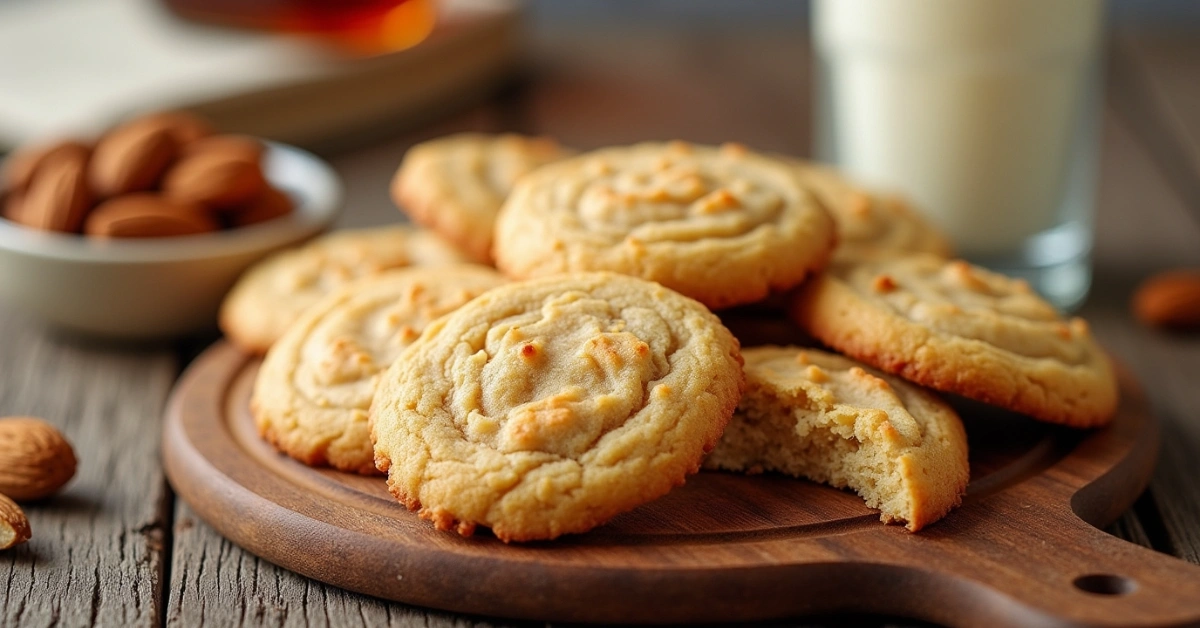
97	553
1143	226
217	583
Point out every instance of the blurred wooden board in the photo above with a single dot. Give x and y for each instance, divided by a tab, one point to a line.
724	547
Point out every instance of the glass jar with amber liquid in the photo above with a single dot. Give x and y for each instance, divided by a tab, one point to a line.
360	26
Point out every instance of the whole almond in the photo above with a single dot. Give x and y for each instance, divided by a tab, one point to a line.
10	209
20	167
35	459
58	196
131	158
248	148
14	526
1169	299
215	179
270	205
183	126
147	215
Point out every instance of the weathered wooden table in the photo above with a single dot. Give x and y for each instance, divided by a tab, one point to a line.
117	548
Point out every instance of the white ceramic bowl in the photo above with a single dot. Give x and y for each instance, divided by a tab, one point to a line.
156	288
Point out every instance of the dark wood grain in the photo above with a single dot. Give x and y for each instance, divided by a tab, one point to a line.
98	549
724	546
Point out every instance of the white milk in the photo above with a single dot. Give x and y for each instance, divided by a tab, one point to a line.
969	107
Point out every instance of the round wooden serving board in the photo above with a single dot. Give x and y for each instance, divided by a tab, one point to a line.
1022	549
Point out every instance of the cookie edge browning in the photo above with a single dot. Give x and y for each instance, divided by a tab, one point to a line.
543	253
838	317
445	520
414	201
268	410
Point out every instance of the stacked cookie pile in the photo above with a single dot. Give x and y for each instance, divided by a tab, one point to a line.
586	373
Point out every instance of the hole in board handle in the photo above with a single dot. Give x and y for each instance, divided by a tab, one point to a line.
1105	584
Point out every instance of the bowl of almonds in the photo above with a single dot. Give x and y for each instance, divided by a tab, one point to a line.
140	233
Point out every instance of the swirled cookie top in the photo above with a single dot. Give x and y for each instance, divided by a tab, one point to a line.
961	300
273	294
562	401
316	384
723	224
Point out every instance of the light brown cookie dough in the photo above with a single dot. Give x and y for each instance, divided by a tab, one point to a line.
455	185
958	328
315	386
273	293
547	407
870	224
827	418
722	225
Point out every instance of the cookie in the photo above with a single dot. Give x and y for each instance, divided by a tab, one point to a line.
273	293
960	329
315	386
547	407
724	225
827	418
870	224
455	185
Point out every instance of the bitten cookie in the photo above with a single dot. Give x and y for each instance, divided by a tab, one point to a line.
547	407
721	225
315	386
870	224
827	418
273	293
958	328
455	185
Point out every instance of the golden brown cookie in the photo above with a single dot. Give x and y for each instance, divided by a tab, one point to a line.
722	225
315	385
547	407
868	223
273	293
958	328
455	185
827	418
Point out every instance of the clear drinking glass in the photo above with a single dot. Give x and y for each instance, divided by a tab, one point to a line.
984	112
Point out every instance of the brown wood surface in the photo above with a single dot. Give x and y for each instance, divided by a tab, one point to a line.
593	84
724	547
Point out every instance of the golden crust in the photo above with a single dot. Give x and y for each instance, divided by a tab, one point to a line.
960	329
549	406
273	293
725	226
455	185
315	386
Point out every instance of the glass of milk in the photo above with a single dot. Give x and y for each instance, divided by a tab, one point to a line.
984	112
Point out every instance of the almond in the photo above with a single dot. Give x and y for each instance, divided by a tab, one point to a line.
14	527
183	126
270	205
131	158
58	196
147	215
248	148
11	207
1169	299
217	179
35	460
21	166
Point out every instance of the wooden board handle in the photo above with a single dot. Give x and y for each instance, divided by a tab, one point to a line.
1071	573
